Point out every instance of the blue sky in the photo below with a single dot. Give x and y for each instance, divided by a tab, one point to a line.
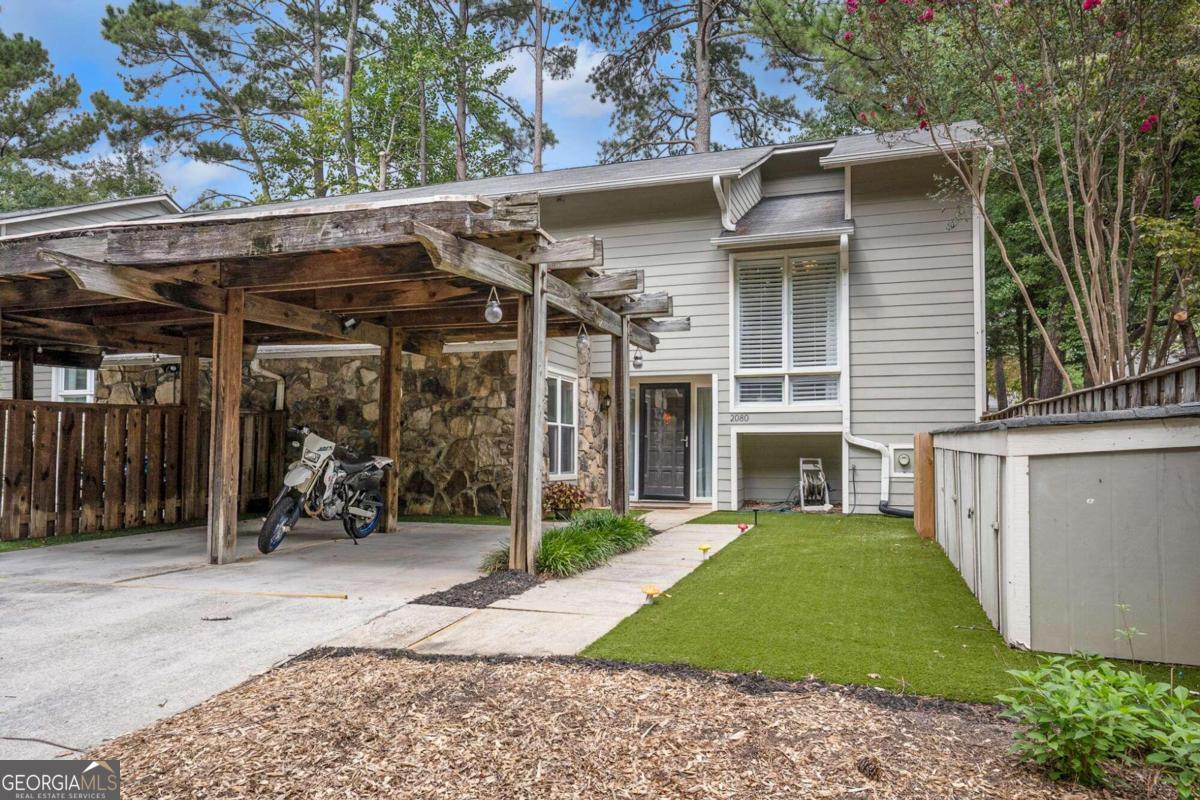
70	30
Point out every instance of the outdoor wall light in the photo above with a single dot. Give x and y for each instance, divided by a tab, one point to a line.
638	359
349	324
606	402
583	339
492	312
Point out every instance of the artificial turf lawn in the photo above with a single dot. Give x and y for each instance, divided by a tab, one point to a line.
851	599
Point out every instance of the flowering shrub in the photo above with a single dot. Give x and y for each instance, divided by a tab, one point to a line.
563	499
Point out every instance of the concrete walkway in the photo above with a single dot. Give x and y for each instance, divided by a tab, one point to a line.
558	617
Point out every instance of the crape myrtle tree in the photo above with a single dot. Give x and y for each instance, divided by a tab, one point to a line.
1083	108
674	70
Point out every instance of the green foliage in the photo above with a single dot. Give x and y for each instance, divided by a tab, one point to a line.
591	538
40	120
1081	714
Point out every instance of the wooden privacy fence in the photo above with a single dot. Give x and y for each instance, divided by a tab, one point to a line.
1170	385
77	468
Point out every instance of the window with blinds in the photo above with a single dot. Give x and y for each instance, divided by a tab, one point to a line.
760	314
787	329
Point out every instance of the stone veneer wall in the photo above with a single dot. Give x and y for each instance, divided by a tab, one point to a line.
457	419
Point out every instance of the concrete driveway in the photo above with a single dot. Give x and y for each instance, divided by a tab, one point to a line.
102	638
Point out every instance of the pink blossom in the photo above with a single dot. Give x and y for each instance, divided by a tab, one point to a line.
1088	5
847	36
1196	203
908	2
1119	34
1148	123
924	125
851	6
862	116
926	15
998	78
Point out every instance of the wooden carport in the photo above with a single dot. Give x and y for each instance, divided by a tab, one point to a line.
402	275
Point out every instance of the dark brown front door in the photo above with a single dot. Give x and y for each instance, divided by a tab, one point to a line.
665	448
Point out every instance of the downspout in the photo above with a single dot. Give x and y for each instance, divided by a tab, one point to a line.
723	202
885	472
256	368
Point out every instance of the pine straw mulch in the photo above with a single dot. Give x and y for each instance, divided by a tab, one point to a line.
395	725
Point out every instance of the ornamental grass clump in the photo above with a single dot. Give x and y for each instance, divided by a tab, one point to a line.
1081	715
591	538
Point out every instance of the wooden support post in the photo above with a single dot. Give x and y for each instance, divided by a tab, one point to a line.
189	398
620	420
391	404
23	373
924	483
224	439
529	424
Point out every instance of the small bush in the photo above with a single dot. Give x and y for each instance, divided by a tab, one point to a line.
591	538
561	497
1083	713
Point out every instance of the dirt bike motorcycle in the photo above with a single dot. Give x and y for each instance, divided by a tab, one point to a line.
327	482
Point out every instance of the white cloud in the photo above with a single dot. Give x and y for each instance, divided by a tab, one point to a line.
567	98
187	178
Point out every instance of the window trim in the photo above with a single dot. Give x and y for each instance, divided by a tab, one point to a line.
836	371
58	383
559	376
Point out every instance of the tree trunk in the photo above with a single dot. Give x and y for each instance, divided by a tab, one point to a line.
1050	382
423	139
318	48
460	101
1001	381
1024	356
1191	348
539	58
347	91
702	141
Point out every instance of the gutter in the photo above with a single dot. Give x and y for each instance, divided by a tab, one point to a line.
885	472
727	221
256	368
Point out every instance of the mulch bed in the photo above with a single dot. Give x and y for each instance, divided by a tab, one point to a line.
395	725
481	592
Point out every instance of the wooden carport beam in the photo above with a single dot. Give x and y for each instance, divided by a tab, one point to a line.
135	284
573	253
471	260
611	284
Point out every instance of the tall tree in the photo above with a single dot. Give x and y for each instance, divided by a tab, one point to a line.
674	68
41	123
1083	106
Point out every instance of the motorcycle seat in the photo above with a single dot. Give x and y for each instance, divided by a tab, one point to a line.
350	461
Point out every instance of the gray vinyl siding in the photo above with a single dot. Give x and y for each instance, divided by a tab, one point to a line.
799	173
745	194
42	381
912	345
665	232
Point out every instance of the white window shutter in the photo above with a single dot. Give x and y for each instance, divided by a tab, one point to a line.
760	314
814	311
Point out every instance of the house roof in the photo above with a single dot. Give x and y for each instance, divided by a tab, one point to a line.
873	147
795	218
649	172
28	214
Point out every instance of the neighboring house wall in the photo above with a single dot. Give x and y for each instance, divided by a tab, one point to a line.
912	344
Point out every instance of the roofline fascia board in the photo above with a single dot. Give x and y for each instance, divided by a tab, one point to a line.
892	155
98	206
801	237
602	186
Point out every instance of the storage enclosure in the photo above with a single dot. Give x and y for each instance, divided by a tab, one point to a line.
1071	528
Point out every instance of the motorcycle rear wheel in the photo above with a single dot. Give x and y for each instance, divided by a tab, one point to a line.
361	529
282	516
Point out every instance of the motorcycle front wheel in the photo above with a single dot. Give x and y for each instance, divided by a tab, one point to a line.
359	527
282	516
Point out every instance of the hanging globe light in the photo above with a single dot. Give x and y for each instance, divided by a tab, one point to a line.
638	359
492	312
583	339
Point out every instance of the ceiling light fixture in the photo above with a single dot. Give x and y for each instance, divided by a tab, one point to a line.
492	312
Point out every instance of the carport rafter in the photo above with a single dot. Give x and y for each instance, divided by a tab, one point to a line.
402	276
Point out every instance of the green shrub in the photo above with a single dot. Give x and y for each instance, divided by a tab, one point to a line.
1082	713
591	538
561	498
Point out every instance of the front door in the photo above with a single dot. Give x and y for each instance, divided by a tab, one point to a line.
665	447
